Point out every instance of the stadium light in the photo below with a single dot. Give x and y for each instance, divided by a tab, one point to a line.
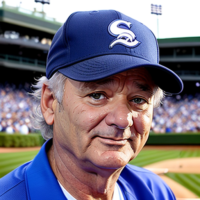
43	1
156	10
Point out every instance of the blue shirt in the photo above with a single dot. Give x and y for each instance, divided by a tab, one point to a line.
35	180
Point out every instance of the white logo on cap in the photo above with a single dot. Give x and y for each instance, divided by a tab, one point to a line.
124	36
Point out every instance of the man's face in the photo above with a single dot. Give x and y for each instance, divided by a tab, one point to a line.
91	125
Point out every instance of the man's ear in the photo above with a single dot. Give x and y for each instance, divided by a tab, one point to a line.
48	105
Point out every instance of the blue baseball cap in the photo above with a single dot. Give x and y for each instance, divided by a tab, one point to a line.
93	45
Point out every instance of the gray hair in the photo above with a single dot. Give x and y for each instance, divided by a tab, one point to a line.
56	84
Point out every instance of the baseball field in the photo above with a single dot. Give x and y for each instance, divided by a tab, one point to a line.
179	166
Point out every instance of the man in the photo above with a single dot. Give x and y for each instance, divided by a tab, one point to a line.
95	108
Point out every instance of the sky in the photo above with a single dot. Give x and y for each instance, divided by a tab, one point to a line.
180	18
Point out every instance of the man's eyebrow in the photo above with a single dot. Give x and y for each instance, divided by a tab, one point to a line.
144	87
94	85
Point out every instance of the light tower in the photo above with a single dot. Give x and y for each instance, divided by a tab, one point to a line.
156	10
43	2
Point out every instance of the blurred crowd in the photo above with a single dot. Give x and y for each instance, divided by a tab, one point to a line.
176	114
15	109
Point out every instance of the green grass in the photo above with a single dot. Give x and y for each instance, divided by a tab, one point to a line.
147	157
190	181
10	161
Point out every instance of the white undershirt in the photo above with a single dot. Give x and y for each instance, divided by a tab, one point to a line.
116	196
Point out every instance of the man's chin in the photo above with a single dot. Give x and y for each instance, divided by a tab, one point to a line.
112	160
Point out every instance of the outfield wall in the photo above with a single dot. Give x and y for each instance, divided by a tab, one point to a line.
31	140
19	140
174	139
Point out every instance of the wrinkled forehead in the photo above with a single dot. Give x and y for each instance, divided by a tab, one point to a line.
139	77
137	74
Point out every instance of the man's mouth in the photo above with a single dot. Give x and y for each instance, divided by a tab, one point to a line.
113	141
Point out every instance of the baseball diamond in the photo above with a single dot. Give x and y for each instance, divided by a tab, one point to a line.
185	184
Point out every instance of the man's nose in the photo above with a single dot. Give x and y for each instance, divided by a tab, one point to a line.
118	116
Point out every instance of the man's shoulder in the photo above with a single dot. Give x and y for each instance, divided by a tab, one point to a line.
142	182
14	184
134	171
134	168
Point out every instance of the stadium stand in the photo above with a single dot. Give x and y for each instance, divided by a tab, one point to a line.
15	105
178	114
25	37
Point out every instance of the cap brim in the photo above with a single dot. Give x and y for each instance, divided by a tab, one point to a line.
107	65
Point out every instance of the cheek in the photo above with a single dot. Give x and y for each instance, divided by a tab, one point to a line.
86	118
143	122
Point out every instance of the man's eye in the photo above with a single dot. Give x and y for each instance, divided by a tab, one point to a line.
97	96
138	100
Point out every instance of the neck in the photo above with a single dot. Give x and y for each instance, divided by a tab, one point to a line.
82	180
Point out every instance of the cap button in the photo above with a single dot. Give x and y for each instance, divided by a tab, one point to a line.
94	12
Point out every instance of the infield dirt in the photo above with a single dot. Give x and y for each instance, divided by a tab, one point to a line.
159	147
180	165
172	147
14	149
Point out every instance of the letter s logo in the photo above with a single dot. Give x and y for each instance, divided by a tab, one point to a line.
124	36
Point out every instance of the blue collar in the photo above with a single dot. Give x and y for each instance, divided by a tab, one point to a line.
41	182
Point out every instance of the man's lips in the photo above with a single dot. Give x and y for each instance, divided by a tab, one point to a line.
112	141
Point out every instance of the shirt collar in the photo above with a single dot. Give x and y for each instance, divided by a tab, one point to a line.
41	182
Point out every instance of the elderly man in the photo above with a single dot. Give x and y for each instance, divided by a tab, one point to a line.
95	108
